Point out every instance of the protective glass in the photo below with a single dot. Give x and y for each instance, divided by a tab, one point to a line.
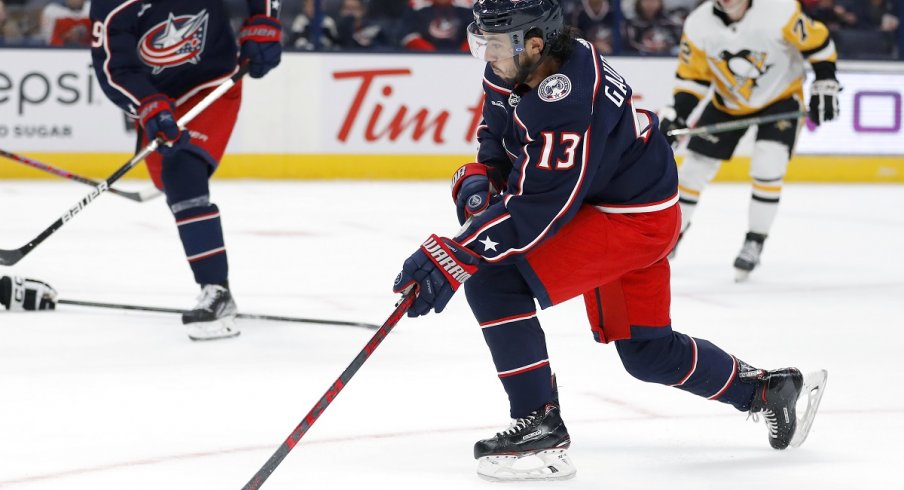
494	47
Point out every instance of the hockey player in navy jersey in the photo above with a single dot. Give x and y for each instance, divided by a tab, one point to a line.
574	192
156	59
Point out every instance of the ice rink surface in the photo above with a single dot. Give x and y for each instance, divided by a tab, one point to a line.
105	399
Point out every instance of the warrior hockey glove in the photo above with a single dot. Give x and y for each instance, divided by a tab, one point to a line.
19	293
437	269
473	190
824	100
260	36
157	117
670	121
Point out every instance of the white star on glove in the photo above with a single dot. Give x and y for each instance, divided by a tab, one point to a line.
489	244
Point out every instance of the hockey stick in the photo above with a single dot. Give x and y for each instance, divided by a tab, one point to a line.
10	257
735	125
267	469
140	196
247	316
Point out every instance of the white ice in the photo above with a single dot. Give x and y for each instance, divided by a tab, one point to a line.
105	399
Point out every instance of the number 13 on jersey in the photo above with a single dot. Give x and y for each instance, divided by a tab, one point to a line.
567	141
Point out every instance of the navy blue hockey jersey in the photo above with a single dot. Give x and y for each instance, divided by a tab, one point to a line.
575	139
175	47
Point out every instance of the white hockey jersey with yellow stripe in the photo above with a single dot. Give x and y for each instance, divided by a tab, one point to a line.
754	61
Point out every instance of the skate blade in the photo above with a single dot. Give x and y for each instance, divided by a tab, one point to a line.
223	328
741	275
553	464
813	389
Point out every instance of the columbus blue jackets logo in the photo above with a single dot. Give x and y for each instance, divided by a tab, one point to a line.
176	41
554	87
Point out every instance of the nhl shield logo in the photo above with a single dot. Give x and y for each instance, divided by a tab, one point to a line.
176	41
554	87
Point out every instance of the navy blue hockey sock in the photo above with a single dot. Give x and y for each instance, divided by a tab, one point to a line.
185	177
689	364
202	239
504	306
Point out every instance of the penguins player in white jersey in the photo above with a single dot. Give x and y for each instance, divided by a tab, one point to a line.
751	54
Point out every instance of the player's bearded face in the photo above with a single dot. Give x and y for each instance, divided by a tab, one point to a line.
499	50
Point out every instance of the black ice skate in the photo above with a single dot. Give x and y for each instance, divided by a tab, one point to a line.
539	441
214	315
749	256
776	397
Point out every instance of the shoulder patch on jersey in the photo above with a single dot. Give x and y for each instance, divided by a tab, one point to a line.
554	88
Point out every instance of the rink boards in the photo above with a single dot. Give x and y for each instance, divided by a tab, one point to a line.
401	116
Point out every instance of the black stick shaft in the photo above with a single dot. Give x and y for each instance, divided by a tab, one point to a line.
247	316
134	196
737	124
11	257
267	469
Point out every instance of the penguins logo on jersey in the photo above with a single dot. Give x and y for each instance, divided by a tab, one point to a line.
554	87
740	71
174	42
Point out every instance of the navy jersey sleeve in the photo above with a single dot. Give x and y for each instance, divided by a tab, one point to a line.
491	150
550	175
120	72
270	8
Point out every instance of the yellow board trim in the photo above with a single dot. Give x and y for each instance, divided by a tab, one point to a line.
803	168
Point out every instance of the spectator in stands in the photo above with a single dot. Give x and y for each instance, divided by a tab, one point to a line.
436	25
357	30
596	22
300	34
835	17
861	28
678	9
873	14
652	31
2	20
66	23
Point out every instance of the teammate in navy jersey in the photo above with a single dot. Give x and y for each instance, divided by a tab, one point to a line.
574	192
156	59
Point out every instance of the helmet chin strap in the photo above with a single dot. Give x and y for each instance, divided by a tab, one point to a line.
525	71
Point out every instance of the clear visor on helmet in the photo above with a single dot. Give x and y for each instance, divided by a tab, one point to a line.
494	47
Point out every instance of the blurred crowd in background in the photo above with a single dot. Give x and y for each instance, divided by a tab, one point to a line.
866	29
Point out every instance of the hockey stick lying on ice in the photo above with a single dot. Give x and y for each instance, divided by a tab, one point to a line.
267	469
247	316
10	257
738	124
139	196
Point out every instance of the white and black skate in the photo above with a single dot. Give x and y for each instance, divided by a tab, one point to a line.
749	256
532	448
777	398
214	315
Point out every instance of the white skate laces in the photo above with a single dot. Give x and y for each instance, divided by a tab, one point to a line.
517	425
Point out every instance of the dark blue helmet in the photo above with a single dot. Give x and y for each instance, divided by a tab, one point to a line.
506	16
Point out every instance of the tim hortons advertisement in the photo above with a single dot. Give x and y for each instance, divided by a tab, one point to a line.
407	104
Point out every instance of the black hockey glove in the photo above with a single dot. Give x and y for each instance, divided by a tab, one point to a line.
19	293
669	121
824	100
438	268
